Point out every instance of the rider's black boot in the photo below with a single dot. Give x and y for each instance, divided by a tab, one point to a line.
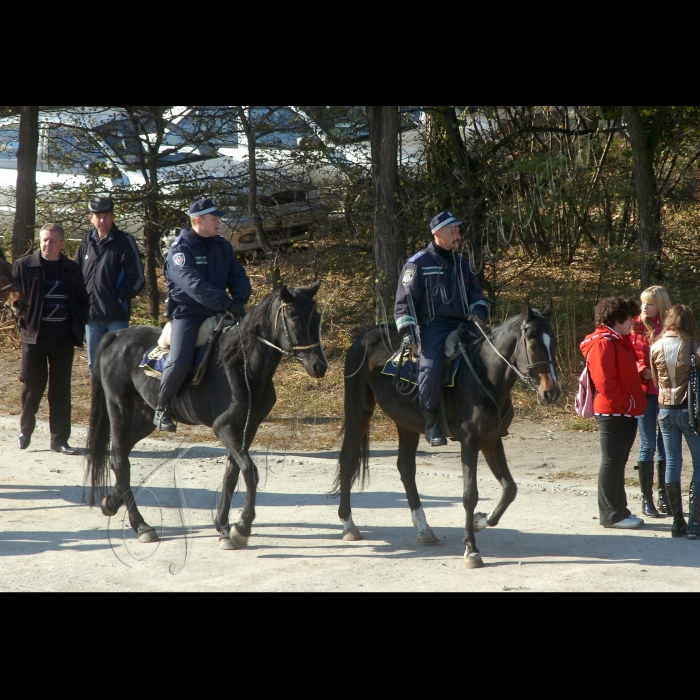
664	508
675	502
694	511
163	418
646	480
433	430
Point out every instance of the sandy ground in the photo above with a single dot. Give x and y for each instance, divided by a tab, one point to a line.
548	540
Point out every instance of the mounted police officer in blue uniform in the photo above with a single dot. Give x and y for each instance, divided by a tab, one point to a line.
199	267
437	291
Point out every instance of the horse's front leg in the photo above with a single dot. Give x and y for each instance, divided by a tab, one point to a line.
470	497
227	490
406	462
239	460
496	459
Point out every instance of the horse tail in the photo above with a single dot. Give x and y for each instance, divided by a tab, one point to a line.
353	461
99	433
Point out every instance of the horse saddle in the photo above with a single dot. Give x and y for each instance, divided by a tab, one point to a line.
154	359
411	364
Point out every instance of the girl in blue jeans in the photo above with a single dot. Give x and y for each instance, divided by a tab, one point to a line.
670	367
647	328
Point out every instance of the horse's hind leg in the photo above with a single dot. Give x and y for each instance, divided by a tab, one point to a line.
496	459
131	426
354	453
408	444
141	427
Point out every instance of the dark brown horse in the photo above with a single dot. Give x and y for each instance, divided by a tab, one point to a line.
478	412
10	294
235	395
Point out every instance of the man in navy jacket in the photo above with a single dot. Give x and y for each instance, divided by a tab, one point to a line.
111	265
437	291
199	267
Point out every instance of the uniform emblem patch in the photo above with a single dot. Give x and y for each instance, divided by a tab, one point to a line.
179	259
407	277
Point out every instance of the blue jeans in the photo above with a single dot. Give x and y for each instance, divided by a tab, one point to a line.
674	425
648	432
95	331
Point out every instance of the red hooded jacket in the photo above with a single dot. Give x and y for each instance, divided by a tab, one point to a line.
613	367
641	345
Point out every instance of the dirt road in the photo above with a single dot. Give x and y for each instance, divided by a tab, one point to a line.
548	540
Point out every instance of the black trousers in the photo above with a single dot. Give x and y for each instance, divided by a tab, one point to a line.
49	360
617	434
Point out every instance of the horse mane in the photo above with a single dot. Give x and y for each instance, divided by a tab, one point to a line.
237	345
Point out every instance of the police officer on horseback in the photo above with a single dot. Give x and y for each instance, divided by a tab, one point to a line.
437	291
199	267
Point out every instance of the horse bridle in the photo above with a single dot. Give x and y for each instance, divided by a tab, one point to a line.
295	348
528	378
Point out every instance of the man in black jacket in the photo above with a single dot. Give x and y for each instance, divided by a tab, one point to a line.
53	326
111	266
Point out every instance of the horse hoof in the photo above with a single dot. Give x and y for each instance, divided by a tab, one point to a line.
473	561
147	536
427	537
480	521
352	535
105	508
225	543
237	540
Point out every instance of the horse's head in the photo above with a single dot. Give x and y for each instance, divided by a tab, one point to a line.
10	294
537	353
298	325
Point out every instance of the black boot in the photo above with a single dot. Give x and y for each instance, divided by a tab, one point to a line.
163	418
433	430
694	511
646	481
661	476
675	502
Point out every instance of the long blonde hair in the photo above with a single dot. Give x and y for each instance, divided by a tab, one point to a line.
659	296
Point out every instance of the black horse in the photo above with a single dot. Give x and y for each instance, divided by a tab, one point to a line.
10	293
234	396
478	413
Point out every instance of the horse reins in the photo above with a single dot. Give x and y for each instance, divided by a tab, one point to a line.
530	365
295	348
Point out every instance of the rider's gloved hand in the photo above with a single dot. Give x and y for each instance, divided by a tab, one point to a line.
236	310
408	337
480	315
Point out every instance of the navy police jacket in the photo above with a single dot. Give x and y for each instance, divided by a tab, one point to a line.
113	272
198	273
432	287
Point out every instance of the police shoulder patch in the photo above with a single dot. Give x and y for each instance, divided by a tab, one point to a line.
179	259
416	256
407	277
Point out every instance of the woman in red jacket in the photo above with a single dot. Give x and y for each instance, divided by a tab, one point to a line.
618	401
647	328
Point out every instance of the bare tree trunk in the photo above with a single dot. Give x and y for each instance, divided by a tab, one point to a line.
648	206
151	237
253	182
25	209
388	240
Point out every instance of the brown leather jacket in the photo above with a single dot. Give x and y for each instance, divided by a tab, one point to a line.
670	368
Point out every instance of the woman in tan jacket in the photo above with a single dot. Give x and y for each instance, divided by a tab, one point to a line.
670	369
